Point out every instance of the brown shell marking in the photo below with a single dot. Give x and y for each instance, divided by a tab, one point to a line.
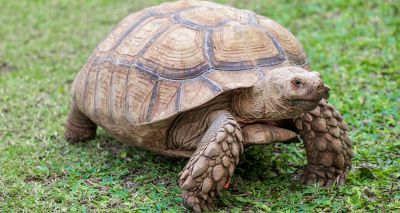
240	46
142	34
139	92
177	54
289	42
166	100
79	84
195	92
172	7
102	101
229	80
213	16
118	31
88	99
118	93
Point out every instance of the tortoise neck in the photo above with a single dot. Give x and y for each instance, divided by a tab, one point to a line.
246	106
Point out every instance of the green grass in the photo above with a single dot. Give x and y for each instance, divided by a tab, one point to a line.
43	44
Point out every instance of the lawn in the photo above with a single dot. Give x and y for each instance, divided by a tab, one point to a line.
43	44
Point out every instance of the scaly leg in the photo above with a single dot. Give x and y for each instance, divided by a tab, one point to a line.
328	147
212	165
79	128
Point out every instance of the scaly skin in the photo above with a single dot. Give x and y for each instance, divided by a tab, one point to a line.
328	147
79	128
212	165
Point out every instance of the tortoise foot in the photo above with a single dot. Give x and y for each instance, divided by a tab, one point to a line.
79	128
324	176
75	134
198	203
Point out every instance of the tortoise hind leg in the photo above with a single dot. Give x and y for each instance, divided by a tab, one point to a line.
212	165
79	128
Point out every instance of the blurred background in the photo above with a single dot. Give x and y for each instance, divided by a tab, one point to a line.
44	43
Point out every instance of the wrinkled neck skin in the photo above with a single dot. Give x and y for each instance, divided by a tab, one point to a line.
256	104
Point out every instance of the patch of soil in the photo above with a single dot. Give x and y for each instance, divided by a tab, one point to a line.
6	67
45	180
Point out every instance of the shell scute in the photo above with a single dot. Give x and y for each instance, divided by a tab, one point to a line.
194	93
172	7
138	38
119	31
138	95
102	91
239	46
290	44
118	94
212	16
168	99
177	54
232	80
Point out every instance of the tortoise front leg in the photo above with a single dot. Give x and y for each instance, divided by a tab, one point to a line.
260	134
211	167
328	147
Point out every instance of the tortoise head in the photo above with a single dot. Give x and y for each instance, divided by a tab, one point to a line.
282	94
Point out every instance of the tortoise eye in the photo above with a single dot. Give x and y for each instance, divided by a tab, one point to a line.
297	82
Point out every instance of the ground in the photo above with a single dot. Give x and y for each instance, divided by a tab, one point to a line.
43	44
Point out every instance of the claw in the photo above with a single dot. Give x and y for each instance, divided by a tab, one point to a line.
310	181
342	181
226	186
329	182
321	181
323	176
197	208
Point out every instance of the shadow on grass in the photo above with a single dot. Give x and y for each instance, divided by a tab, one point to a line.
276	163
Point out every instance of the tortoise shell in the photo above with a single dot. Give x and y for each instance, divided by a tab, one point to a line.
177	56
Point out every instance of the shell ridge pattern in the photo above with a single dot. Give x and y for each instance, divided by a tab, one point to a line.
95	90
154	39
150	13
126	110
130	29
178	98
178	19
155	13
85	85
153	99
197	71
261	62
110	94
281	57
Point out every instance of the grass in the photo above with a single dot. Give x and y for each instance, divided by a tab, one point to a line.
354	44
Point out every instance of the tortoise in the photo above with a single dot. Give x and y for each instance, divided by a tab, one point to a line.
201	80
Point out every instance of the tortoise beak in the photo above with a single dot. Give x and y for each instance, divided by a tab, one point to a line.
325	92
